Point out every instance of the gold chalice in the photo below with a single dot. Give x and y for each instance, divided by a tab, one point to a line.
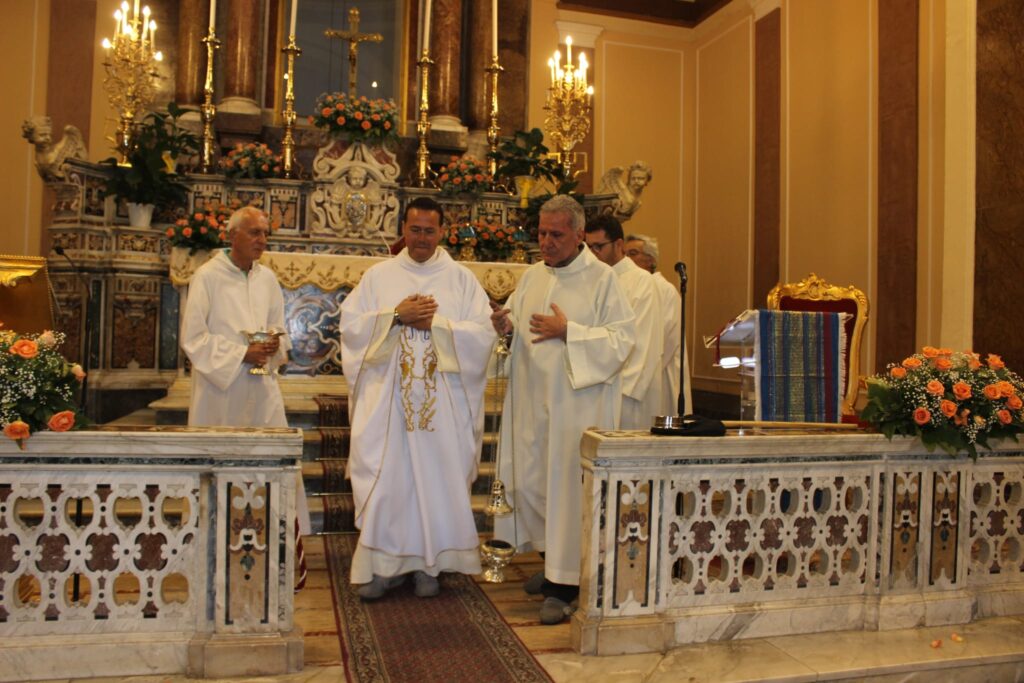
261	337
496	555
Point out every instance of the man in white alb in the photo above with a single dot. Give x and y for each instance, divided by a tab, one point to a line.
569	329
641	378
229	295
644	252
415	341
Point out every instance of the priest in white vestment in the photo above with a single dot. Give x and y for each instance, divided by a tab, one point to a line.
643	250
642	376
229	295
571	330
415	341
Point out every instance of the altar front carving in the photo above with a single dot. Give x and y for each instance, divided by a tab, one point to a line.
691	540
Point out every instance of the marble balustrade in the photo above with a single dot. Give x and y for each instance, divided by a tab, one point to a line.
690	540
148	551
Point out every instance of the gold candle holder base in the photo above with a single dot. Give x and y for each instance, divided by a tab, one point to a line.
496	555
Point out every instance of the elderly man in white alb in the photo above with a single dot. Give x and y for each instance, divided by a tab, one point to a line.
641	378
644	252
570	330
415	341
229	295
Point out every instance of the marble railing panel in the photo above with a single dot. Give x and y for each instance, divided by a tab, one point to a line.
687	540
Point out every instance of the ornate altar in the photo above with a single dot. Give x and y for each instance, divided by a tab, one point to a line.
327	229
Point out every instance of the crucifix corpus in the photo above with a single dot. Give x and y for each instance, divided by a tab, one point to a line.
354	37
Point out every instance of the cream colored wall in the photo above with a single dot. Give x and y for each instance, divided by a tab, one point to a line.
829	143
724	189
24	32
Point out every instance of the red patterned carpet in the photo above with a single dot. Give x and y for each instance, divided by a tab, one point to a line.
454	637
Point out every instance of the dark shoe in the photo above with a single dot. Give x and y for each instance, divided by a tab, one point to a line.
426	585
378	587
533	584
554	611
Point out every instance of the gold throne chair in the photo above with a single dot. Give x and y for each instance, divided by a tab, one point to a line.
814	294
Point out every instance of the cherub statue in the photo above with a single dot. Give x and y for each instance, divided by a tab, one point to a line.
50	158
357	203
629	184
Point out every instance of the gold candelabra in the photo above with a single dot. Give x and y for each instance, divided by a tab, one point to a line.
568	105
208	110
288	143
493	130
130	64
423	123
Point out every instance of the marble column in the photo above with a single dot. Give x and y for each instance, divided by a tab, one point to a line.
241	53
445	83
193	20
477	87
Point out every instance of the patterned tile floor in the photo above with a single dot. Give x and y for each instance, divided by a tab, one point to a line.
992	650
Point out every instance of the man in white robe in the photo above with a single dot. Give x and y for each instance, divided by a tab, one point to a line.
229	295
643	250
415	341
570	330
642	375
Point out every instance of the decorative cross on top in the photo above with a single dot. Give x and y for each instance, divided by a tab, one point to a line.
354	37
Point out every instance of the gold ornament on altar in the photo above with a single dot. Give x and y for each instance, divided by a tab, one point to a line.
568	105
130	64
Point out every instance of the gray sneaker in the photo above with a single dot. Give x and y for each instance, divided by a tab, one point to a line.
554	611
533	584
426	585
379	586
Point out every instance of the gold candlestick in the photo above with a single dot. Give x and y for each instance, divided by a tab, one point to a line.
130	64
423	123
288	144
208	110
493	130
568	104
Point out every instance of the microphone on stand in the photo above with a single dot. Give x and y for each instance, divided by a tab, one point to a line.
87	348
680	268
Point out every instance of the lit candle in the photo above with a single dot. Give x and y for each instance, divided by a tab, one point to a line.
426	26
145	22
117	23
152	33
124	17
135	15
494	28
551	65
295	7
568	52
213	15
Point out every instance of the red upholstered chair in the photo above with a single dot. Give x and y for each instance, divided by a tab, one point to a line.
814	294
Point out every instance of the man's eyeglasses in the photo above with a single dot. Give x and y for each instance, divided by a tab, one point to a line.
598	246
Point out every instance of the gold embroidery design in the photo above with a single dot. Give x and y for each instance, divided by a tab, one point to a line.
417	417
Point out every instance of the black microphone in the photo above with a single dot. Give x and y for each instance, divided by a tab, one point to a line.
681	270
87	338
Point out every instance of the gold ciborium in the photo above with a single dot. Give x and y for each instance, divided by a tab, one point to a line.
496	555
261	337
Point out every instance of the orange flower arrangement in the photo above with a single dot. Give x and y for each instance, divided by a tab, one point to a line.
37	385
952	400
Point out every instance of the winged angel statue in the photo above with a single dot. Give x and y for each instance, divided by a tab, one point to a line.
50	158
629	184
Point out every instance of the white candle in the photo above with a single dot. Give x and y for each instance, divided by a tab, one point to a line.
494	28
295	7
213	15
568	52
426	26
135	16
551	64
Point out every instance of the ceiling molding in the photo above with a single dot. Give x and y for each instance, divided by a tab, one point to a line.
583	35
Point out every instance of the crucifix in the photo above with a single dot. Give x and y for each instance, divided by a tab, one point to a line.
354	37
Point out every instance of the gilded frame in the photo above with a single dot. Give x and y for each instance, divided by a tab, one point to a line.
813	288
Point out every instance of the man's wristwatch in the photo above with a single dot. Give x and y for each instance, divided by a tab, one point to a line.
397	319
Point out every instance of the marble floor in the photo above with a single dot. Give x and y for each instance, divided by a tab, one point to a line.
989	651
